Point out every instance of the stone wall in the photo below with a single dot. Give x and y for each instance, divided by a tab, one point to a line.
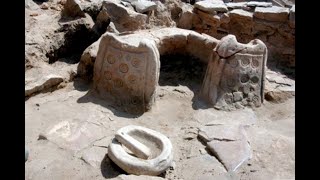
273	25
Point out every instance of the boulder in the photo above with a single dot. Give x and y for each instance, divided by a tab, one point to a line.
124	19
43	78
274	13
143	6
279	88
112	28
92	7
186	19
30	4
73	8
241	22
88	57
46	78
42	84
102	21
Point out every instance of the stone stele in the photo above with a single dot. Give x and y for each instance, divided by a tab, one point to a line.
127	67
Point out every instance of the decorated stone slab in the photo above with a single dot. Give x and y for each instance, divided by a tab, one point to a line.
235	75
126	72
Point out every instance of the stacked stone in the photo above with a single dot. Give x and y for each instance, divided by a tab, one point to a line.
274	25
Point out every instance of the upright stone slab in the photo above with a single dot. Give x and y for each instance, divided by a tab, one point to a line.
126	72
235	74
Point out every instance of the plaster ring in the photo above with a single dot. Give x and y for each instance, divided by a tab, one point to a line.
145	163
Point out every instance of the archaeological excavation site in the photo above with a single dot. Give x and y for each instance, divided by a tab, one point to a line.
160	89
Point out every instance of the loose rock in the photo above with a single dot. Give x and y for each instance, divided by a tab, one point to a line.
143	6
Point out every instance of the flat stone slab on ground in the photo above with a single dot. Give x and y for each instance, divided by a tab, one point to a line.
42	83
231	153
278	87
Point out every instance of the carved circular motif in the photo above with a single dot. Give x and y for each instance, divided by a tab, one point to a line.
245	62
135	62
255	63
245	89
231	82
108	75
256	100
244	78
132	79
118	83
108	87
233	62
255	79
123	68
135	100
111	59
252	89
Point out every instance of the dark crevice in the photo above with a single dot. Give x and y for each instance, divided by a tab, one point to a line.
39	2
226	140
76	41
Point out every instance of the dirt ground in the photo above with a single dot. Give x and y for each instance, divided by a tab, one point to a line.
83	125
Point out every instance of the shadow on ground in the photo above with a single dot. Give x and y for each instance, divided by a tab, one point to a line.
109	169
91	96
277	67
186	71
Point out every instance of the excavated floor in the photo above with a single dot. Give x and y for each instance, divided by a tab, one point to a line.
270	129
